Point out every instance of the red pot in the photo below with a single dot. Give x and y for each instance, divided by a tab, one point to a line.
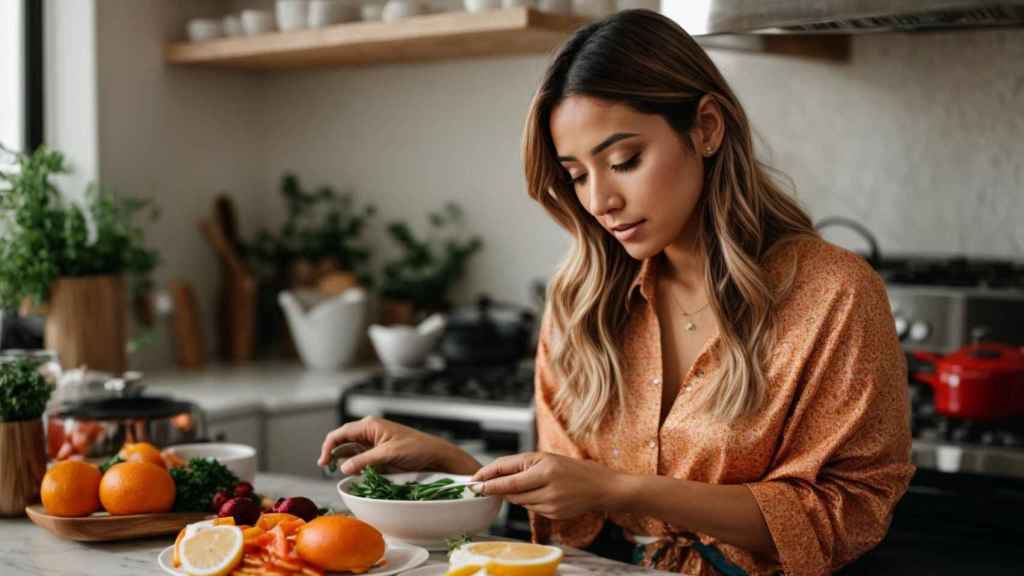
978	382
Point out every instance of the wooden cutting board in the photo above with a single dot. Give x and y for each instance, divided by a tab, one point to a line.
102	527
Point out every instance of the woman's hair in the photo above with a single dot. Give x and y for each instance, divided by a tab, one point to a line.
647	62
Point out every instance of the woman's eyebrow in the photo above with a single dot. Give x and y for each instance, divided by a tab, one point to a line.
617	137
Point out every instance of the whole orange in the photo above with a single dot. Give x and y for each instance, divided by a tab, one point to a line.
71	488
136	488
141	452
339	544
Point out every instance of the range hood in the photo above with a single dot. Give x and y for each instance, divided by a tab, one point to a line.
711	17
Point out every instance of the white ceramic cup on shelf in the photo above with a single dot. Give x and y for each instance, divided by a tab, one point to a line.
255	22
371	11
556	6
200	29
233	25
396	9
516	3
481	5
292	14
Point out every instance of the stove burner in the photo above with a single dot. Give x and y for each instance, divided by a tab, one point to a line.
503	384
959	272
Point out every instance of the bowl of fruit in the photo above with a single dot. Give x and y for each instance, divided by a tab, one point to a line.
407	507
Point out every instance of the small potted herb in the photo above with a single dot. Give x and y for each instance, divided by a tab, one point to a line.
24	393
71	257
420	279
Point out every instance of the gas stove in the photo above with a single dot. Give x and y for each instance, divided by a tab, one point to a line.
468	402
940	305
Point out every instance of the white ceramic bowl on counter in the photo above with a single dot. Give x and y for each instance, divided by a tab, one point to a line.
423	523
402	348
239	458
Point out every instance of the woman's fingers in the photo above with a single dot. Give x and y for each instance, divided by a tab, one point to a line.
373	457
360	431
505	466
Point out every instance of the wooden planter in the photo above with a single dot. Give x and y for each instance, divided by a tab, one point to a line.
86	323
22	464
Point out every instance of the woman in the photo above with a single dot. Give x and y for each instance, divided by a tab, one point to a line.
714	383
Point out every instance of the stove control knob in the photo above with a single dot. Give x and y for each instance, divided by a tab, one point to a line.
902	326
920	331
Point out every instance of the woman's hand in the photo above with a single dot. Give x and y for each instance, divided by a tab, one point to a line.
396	447
554	486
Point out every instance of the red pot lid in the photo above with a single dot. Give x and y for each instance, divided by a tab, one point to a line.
989	358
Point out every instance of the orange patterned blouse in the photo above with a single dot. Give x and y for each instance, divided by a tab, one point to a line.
826	458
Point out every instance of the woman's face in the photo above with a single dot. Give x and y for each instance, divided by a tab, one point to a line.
632	172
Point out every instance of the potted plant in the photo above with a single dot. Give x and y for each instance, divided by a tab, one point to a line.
24	393
72	258
319	246
419	280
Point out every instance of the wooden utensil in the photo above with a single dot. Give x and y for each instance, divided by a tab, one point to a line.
189	342
103	527
238	296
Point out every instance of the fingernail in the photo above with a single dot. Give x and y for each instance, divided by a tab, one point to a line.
347	468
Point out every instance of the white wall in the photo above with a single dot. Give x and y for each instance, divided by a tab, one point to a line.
176	135
12	55
69	77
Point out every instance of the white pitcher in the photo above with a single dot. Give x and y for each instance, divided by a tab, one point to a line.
326	331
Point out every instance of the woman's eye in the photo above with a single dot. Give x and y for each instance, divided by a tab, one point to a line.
579	180
627	165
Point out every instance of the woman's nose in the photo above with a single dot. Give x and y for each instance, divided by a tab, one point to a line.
603	198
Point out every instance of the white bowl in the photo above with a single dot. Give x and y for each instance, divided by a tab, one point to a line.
256	22
405	347
239	458
423	523
292	14
200	29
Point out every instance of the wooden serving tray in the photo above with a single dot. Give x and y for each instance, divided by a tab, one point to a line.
103	527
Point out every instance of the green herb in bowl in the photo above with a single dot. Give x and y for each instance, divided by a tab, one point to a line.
378	487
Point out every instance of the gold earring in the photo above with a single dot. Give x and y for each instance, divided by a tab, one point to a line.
709	151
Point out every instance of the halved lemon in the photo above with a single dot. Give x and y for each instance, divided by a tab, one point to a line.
504	559
213	551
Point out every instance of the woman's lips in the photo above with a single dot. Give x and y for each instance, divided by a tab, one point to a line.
626	232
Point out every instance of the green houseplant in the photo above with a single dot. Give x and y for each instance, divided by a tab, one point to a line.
23	397
321	233
70	257
420	279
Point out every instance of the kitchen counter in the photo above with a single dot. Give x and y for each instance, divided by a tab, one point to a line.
223	391
28	549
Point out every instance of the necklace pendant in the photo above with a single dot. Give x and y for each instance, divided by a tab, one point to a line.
690	326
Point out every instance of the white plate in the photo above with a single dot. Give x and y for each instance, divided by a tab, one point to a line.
399	557
442	569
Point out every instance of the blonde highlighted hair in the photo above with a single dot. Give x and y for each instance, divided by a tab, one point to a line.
646	61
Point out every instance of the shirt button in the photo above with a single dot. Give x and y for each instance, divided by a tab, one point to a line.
652	444
615	452
686	388
655	381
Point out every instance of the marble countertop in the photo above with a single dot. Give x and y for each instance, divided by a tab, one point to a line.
223	391
26	549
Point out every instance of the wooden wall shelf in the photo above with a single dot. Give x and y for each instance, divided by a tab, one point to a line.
432	37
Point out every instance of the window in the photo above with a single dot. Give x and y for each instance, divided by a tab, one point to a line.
21	74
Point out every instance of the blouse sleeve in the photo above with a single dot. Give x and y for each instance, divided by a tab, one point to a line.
843	460
552	437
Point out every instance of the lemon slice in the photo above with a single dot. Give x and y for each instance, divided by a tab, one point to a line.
212	551
504	559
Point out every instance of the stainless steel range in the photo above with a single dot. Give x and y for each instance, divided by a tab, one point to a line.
941	305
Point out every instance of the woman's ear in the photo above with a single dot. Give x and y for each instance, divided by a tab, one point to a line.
709	127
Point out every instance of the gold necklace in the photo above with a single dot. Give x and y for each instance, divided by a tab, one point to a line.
690	326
